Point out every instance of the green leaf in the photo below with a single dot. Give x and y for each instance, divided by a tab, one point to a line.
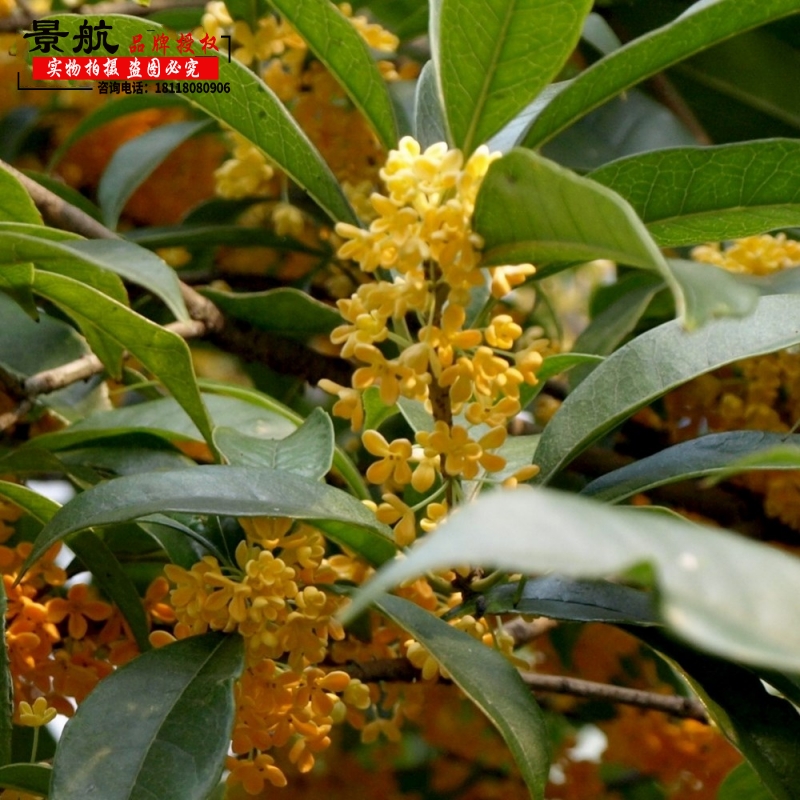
764	728
530	209
489	681
308	452
710	292
15	202
405	18
137	265
415	414
342	463
224	490
66	193
251	109
134	162
719	454
284	312
616	322
164	353
201	236
743	782
337	44
94	554
38	231
169	731
376	412
622	385
108	112
493	57
569	599
690	195
34	778
723	593
16	280
703	24
430	126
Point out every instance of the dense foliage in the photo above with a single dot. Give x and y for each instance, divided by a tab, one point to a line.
424	401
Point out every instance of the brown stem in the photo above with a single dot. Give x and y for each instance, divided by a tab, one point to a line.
402	670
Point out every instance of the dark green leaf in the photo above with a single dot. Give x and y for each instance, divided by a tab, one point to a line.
224	490
704	24
200	236
33	778
337	44
622	385
135	161
708	194
723	593
137	265
493	57
558	597
375	411
406	18
715	454
307	452
284	312
489	681
557	365
169	732
172	536
530	209
15	202
164	353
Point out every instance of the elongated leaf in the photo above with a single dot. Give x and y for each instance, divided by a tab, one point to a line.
743	782
627	381
251	109
717	454
308	452
338	45
16	280
614	323
406	18
38	231
169	734
164	353
94	554
232	491
691	195
135	161
492	684
702	25
33	778
15	203
108	112
430	126
284	312
557	365
211	235
558	597
494	56
764	728
531	209
137	265
723	593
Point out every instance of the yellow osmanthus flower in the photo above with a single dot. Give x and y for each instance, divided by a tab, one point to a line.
36	715
756	255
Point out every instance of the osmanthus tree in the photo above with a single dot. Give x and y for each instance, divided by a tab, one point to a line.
238	584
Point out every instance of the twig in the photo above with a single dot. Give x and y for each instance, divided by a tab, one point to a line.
402	670
282	355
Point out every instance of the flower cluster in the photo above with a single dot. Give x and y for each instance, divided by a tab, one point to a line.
468	376
272	597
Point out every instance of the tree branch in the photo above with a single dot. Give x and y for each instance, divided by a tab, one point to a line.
282	355
402	670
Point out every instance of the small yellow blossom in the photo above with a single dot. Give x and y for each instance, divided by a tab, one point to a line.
37	714
394	458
